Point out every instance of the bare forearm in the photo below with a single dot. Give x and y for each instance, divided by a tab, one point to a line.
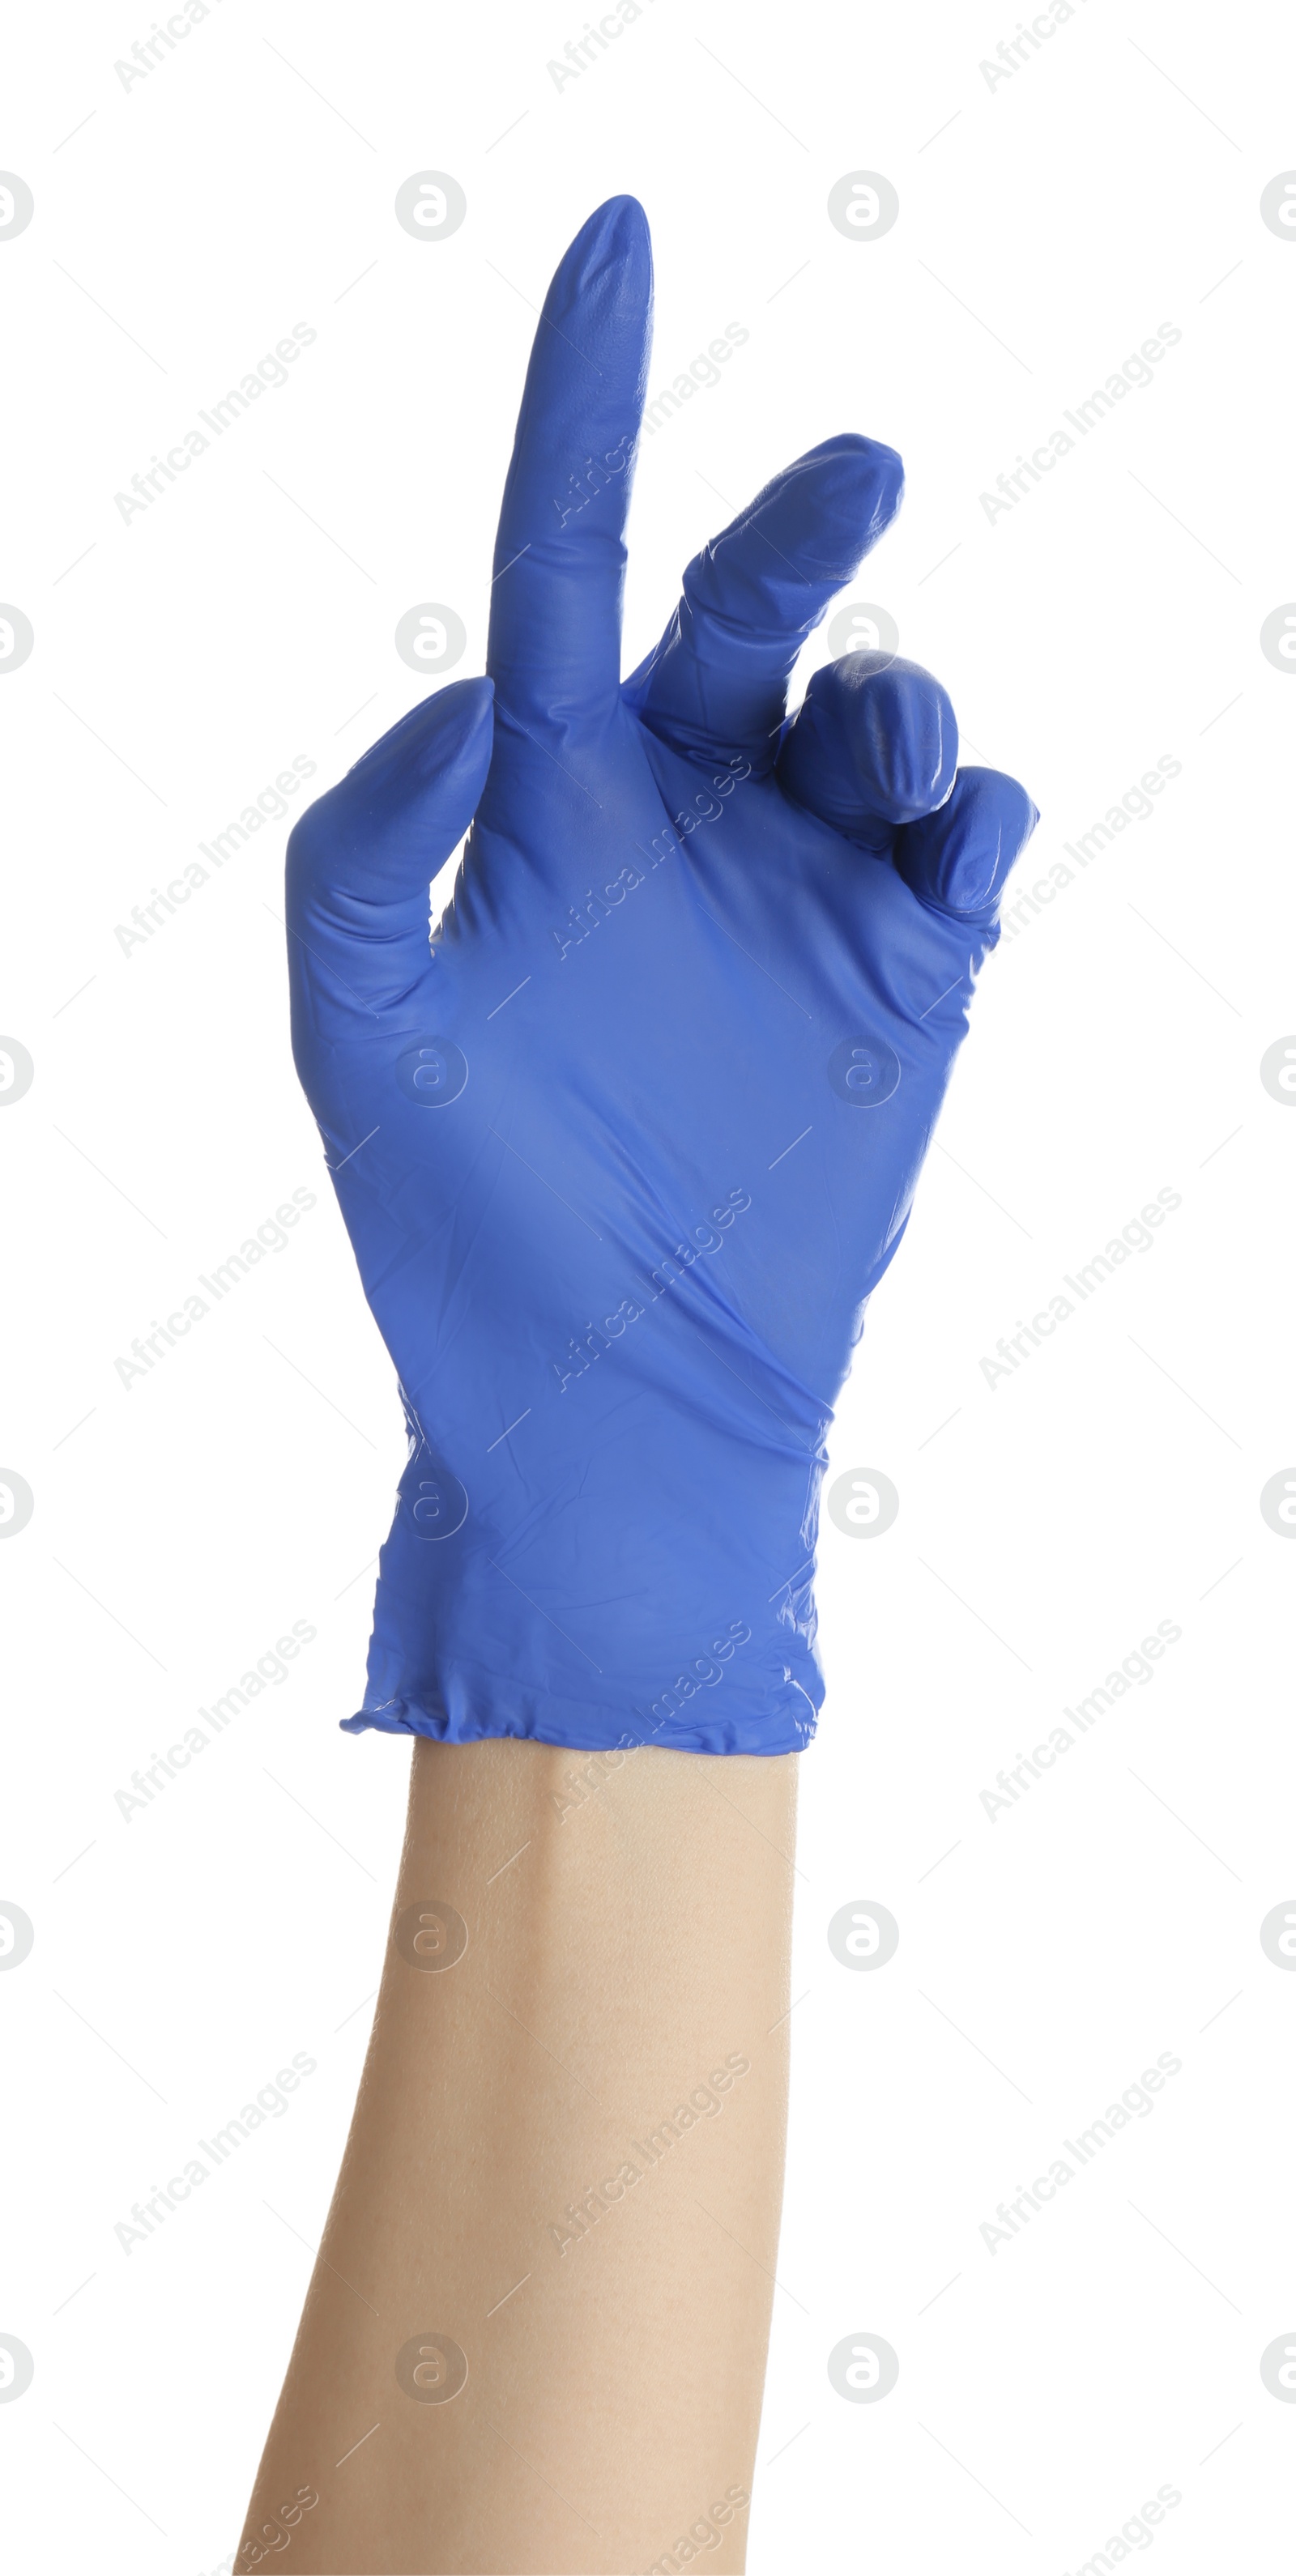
564	2172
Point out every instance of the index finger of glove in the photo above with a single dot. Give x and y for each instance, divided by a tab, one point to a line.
555	628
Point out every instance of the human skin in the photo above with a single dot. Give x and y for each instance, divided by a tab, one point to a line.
628	1935
484	2379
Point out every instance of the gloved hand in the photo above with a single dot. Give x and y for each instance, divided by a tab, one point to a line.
624	1150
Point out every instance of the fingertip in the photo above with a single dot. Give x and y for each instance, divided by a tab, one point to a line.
621	212
845	492
957	861
476	694
459	701
613	241
472	717
360	859
874	744
456	748
438	732
874	474
555	624
623	218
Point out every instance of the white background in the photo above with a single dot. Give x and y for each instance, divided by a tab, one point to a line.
1047	226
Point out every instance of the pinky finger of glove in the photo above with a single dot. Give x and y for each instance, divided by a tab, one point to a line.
957	860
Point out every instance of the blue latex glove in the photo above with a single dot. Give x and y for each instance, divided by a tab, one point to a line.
623	1152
